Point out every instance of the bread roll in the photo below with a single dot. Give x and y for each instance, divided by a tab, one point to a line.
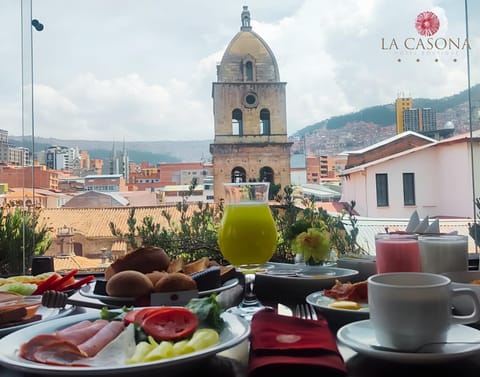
145	260
175	281
129	283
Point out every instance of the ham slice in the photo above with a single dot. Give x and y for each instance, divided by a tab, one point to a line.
60	352
109	332
79	325
83	333
348	292
27	350
61	348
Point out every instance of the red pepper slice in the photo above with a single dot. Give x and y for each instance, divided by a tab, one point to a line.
80	283
59	284
45	286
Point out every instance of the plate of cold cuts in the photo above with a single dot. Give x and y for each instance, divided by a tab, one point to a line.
51	348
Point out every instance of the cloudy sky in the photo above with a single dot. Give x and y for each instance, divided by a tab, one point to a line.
140	70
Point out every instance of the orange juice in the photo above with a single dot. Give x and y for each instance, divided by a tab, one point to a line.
247	234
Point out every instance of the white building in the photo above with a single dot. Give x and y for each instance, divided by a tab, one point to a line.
434	178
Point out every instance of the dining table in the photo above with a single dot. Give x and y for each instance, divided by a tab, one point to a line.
233	362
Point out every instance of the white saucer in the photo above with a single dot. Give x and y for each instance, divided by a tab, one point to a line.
360	337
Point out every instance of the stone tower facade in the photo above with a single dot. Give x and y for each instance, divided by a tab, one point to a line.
249	108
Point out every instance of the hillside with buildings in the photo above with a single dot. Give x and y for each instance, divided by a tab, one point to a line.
371	125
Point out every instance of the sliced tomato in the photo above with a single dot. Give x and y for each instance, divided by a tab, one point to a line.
170	324
138	315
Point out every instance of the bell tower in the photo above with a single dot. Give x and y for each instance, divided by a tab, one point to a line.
249	107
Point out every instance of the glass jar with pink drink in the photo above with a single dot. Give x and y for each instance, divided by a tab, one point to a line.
397	252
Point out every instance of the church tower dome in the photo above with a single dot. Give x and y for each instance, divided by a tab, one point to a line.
248	47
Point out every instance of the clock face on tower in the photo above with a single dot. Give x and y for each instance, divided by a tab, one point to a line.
250	100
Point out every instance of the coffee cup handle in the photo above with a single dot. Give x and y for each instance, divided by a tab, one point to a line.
472	317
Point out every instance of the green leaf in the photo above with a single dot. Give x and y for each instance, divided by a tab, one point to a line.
208	311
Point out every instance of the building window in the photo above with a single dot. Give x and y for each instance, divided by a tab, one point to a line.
250	100
237	124
382	189
249	71
248	68
409	189
266	174
264	122
239	175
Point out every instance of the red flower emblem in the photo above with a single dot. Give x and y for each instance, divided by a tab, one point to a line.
427	23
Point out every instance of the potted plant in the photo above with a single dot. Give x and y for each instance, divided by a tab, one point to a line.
312	235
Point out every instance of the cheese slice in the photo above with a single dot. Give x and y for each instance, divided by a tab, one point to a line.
343	304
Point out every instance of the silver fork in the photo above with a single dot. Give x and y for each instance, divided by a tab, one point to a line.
305	311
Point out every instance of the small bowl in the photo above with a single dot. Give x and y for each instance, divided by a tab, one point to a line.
463	279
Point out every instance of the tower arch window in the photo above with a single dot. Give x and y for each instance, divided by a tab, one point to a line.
266	174
237	122
264	122
239	175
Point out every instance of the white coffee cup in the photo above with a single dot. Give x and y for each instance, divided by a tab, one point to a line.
443	253
410	309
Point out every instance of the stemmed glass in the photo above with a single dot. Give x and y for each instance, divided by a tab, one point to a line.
247	237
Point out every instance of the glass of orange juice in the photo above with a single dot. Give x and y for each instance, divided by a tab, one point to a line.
247	236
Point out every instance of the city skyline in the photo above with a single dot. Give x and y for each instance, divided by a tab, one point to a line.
104	71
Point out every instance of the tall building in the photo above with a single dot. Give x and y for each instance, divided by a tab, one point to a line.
62	158
120	163
10	154
402	104
429	119
411	120
419	120
249	107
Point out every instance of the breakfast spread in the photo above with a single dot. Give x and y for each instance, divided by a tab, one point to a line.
129	337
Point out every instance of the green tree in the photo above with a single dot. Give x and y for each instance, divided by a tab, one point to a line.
21	238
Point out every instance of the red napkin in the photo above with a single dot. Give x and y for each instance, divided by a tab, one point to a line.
281	345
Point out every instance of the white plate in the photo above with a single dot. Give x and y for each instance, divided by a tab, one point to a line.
320	301
88	291
360	337
294	272
47	315
236	330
